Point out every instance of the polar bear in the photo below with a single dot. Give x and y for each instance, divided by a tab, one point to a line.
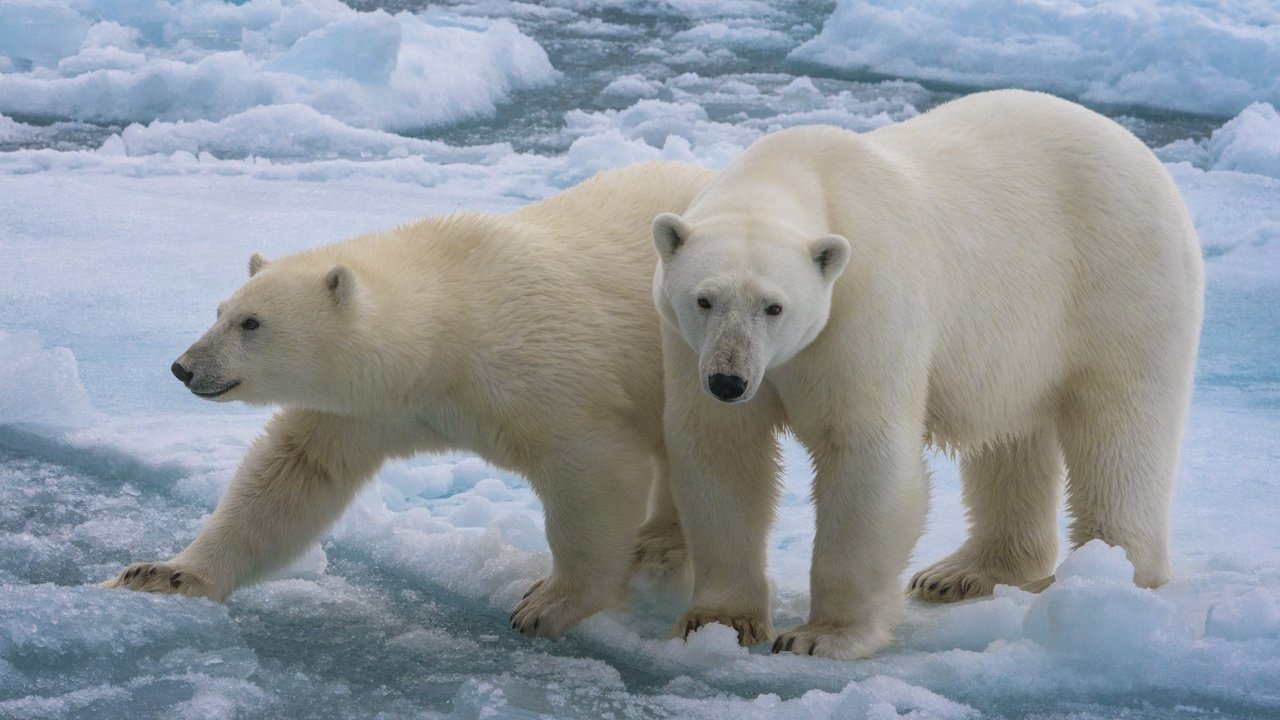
527	338
1010	276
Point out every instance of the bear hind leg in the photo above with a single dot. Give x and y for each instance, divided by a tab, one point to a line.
1011	490
593	497
1121	448
660	549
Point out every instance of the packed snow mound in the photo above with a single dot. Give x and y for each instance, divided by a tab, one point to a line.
671	119
39	384
1187	55
15	132
286	132
1252	616
1249	142
109	62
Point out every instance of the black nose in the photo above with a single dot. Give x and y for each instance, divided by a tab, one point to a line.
726	387
182	373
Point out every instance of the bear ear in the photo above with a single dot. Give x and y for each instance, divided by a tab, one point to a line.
341	283
669	235
256	263
831	254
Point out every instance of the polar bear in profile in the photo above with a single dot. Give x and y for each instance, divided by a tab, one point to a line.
1010	276
528	338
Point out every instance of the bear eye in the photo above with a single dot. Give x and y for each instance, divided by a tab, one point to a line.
249	324
704	303
774	309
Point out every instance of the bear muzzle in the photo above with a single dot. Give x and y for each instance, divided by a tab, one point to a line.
205	387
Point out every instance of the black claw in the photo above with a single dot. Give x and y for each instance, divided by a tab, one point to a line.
812	648
175	581
945	589
933	587
790	642
777	646
131	574
912	586
535	624
527	593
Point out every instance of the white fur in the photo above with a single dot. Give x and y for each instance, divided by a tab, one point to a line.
528	338
1023	284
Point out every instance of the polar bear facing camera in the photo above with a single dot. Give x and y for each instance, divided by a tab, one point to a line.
527	338
1009	276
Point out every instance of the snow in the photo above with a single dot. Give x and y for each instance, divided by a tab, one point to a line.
280	132
208	60
25	364
672	121
1254	615
1195	56
118	238
1249	143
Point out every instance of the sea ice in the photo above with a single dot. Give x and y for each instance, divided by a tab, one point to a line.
1254	615
1211	57
116	250
1249	142
119	63
39	384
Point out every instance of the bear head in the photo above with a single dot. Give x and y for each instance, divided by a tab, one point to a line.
746	293
277	339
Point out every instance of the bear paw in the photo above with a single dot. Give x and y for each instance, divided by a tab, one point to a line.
752	628
836	642
660	551
960	576
937	583
160	577
548	610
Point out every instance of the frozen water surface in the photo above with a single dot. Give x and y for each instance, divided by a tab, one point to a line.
147	149
1193	56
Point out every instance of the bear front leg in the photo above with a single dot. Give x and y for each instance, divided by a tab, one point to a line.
870	497
295	480
593	498
724	478
660	548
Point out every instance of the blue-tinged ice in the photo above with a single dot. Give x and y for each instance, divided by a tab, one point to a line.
1188	55
208	60
275	125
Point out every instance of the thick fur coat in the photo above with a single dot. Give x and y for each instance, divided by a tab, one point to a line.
1010	276
528	338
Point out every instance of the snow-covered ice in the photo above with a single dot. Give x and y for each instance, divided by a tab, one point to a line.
130	199
1212	57
1249	143
112	62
